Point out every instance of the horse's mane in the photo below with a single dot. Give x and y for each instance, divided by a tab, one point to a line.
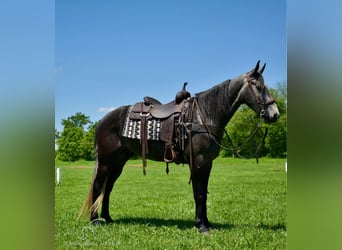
214	98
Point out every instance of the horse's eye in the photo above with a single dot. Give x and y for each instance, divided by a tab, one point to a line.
258	85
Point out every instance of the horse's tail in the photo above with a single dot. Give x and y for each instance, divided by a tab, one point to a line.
88	208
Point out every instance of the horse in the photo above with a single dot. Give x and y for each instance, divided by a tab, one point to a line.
210	110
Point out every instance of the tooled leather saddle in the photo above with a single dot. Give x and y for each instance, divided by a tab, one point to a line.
151	120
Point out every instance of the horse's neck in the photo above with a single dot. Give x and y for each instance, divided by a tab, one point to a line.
219	104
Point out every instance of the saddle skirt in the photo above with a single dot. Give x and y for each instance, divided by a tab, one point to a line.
132	128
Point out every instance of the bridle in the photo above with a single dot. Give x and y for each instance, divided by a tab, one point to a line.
235	149
262	113
262	104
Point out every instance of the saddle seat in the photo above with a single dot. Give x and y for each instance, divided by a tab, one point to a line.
156	110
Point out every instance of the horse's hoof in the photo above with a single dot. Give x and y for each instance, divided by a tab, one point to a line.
203	230
108	219
97	222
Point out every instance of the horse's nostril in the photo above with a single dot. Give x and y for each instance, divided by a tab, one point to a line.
275	116
262	113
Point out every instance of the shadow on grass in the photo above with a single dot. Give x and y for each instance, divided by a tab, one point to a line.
188	224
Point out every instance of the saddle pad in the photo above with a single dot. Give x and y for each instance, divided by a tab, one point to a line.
132	129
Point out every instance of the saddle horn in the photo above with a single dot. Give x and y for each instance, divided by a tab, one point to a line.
182	95
184	85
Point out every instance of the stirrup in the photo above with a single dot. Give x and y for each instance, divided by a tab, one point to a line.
173	154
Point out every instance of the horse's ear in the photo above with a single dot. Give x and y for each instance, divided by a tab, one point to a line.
262	69
256	68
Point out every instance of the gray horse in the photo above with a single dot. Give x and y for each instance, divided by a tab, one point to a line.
208	113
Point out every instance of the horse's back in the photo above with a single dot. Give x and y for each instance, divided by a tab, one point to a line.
107	137
112	119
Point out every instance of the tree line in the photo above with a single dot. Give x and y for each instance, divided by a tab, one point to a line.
76	140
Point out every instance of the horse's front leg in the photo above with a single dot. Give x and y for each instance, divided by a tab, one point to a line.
200	178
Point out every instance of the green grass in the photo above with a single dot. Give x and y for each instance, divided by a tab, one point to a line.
246	203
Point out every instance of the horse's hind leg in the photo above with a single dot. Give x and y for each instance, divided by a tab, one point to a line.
102	171
119	159
109	168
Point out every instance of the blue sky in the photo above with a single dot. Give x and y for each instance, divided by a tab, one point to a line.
113	53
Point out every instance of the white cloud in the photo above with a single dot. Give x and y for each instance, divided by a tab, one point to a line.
105	109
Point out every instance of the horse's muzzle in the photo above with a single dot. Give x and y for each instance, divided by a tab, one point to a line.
271	114
271	118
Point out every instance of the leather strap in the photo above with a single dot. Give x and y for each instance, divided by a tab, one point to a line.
144	144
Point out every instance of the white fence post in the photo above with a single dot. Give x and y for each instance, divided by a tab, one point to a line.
58	176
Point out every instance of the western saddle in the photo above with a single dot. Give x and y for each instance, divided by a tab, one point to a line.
151	108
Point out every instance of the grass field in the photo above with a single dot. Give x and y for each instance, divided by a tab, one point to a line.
246	204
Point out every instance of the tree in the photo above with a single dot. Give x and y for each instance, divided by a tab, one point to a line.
87	143
276	139
69	144
57	135
74	142
78	120
275	142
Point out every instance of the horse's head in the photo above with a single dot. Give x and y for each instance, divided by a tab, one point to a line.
258	97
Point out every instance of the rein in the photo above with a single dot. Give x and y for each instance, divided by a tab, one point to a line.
237	149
